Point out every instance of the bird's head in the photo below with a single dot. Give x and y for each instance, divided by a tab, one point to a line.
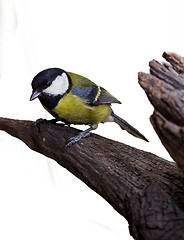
50	82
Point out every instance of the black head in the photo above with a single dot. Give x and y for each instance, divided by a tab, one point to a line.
44	79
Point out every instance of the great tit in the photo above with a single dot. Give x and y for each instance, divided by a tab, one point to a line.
74	99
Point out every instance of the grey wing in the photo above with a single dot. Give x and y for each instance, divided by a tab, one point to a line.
95	95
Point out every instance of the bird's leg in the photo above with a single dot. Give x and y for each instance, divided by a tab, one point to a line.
41	120
53	121
81	135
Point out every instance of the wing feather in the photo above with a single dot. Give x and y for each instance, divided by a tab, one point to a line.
92	93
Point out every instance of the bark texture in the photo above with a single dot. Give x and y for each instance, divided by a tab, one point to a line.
164	87
147	190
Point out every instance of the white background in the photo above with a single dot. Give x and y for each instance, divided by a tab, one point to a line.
107	41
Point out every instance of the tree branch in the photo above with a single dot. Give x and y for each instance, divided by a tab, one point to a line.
147	190
164	87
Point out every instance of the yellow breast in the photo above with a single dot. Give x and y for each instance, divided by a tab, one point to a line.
74	110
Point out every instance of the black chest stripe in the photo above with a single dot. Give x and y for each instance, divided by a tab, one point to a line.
49	102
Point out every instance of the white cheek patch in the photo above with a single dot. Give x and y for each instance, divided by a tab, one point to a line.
59	86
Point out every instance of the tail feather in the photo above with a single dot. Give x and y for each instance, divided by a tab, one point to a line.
126	126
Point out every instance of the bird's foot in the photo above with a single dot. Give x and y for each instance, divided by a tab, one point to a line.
38	121
77	138
54	121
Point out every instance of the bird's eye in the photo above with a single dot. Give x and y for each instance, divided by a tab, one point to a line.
48	83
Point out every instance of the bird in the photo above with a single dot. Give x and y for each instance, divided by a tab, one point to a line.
74	99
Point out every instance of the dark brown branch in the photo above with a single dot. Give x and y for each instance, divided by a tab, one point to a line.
164	87
147	190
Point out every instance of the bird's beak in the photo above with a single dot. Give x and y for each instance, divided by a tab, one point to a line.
34	95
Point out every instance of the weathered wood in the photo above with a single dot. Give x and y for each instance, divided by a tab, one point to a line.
171	135
164	87
147	190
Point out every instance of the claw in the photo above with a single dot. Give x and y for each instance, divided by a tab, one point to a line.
54	121
83	134
74	140
38	121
